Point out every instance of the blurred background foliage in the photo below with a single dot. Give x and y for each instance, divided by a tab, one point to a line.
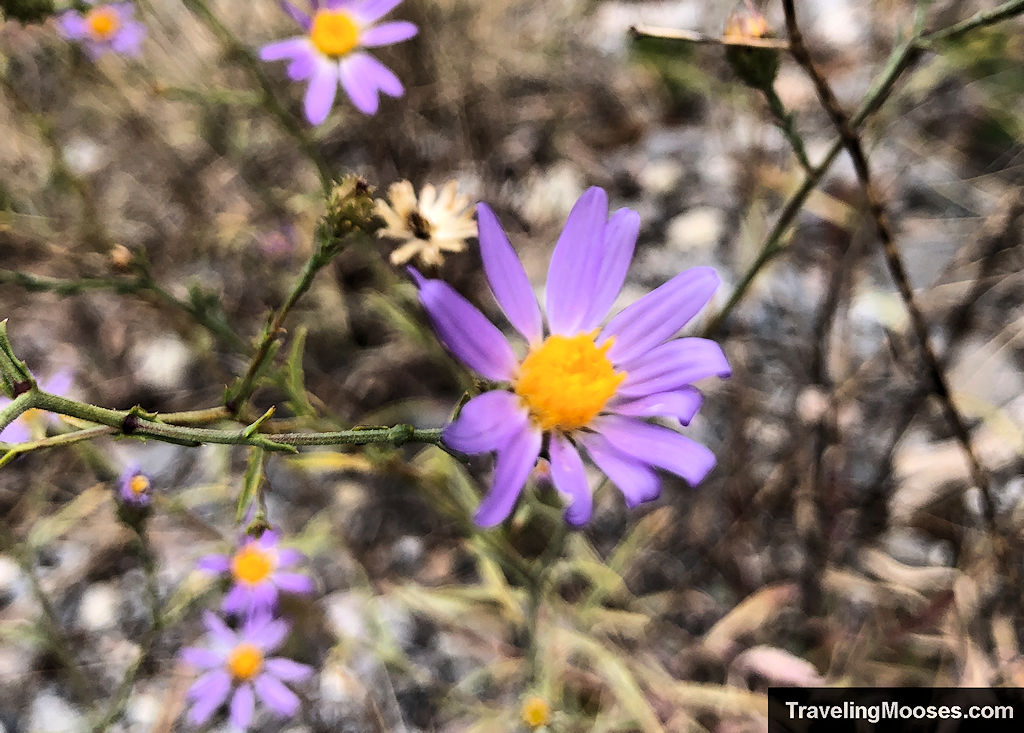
839	541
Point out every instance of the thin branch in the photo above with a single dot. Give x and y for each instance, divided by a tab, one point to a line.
894	261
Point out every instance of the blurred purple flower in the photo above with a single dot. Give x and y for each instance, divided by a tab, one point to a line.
588	388
259	571
237	661
20	430
104	27
134	487
331	52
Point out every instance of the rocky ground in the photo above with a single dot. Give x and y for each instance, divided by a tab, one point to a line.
839	539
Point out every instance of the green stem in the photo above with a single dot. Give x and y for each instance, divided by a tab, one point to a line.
138	424
784	121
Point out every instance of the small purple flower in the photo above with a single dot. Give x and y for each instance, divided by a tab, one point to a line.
258	569
586	387
105	27
331	51
237	661
134	487
20	430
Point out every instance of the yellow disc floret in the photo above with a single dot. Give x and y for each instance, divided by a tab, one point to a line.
536	712
245	661
139	484
334	32
252	564
566	381
103	23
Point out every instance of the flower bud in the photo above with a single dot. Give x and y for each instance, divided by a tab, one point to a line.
755	66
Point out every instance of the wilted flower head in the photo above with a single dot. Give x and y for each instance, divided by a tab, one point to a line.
587	388
331	51
237	661
258	569
104	27
746	23
134	487
428	227
20	430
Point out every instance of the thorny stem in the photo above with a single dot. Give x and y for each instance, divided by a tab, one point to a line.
139	424
901	59
897	269
236	50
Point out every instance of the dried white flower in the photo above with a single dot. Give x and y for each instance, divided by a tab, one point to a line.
435	224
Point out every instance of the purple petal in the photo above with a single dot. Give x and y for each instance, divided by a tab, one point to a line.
320	93
372	10
263	596
238	599
58	384
657	446
569	477
388	33
271	635
673	365
288	670
276	696
208	692
681	404
218	630
214	563
507	277
16	432
296	14
465	331
486	422
202	657
302	66
294	583
616	253
129	39
288	556
659	314
268	539
636	480
513	466
289	48
243	705
576	263
71	25
362	76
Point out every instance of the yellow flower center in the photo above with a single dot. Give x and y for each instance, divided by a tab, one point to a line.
102	23
139	484
567	380
245	661
252	565
334	32
536	712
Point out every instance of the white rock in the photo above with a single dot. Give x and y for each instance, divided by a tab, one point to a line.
98	608
698	229
549	196
52	714
660	176
161	363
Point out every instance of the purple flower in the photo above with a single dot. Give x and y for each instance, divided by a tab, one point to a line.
258	569
20	430
237	661
134	487
331	51
105	27
587	388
